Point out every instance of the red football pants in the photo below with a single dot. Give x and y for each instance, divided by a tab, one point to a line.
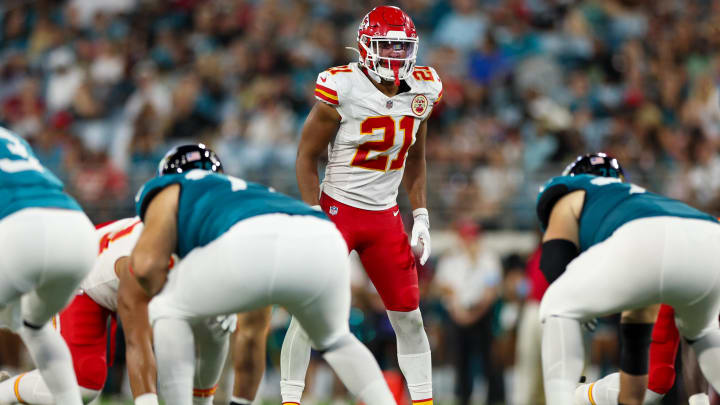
83	325
381	242
663	349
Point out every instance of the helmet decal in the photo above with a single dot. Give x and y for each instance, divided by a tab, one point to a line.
184	158
598	164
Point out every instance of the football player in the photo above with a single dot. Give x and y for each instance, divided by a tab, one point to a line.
661	370
106	292
48	246
242	247
371	116
611	246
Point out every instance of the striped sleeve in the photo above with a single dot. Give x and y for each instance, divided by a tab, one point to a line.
325	89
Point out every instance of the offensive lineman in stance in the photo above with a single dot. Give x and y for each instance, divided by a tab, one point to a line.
242	247
372	117
41	266
610	246
110	291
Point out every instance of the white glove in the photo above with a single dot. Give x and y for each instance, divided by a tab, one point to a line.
421	232
222	325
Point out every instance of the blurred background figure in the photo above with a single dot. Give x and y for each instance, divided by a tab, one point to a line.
468	278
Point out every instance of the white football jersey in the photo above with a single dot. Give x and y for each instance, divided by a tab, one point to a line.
115	240
366	159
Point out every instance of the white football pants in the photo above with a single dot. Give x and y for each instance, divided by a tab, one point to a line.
298	262
646	261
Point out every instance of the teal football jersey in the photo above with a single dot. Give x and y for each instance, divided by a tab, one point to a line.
609	204
211	203
24	182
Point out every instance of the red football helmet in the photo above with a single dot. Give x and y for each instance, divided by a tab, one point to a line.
387	42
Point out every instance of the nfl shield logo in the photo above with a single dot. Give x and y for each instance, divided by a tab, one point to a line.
333	210
389	104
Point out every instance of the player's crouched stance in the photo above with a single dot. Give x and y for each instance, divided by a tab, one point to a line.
47	247
610	246
243	247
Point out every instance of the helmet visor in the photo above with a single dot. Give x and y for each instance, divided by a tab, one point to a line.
388	50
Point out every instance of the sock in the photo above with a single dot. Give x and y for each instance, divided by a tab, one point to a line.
707	350
31	389
175	356
605	392
26	388
358	370
239	401
204	396
147	399
663	350
52	357
294	361
413	354
562	359
699	399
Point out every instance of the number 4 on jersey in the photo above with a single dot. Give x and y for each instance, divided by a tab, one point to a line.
380	162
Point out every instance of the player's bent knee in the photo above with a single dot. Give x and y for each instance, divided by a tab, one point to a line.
661	379
91	372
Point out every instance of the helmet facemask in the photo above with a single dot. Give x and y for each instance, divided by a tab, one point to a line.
391	57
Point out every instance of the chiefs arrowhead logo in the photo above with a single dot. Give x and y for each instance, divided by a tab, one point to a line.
419	105
322	79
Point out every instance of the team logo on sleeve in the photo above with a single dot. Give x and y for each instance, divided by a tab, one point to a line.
419	104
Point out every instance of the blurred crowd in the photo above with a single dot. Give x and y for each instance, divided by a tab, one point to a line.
102	88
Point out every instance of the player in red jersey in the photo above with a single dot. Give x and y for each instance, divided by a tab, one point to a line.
372	116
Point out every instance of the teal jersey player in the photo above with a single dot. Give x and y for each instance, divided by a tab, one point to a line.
24	182
609	204
210	203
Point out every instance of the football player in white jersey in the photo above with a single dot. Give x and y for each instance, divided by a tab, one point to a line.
106	291
372	116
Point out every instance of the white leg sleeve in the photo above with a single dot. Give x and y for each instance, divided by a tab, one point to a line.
562	359
294	361
211	352
175	356
707	350
359	371
413	352
52	357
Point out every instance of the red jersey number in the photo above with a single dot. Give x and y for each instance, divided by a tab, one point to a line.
387	124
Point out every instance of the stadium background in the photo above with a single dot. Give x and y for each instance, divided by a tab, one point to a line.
102	88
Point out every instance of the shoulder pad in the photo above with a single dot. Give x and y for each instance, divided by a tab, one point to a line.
329	82
427	77
547	200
